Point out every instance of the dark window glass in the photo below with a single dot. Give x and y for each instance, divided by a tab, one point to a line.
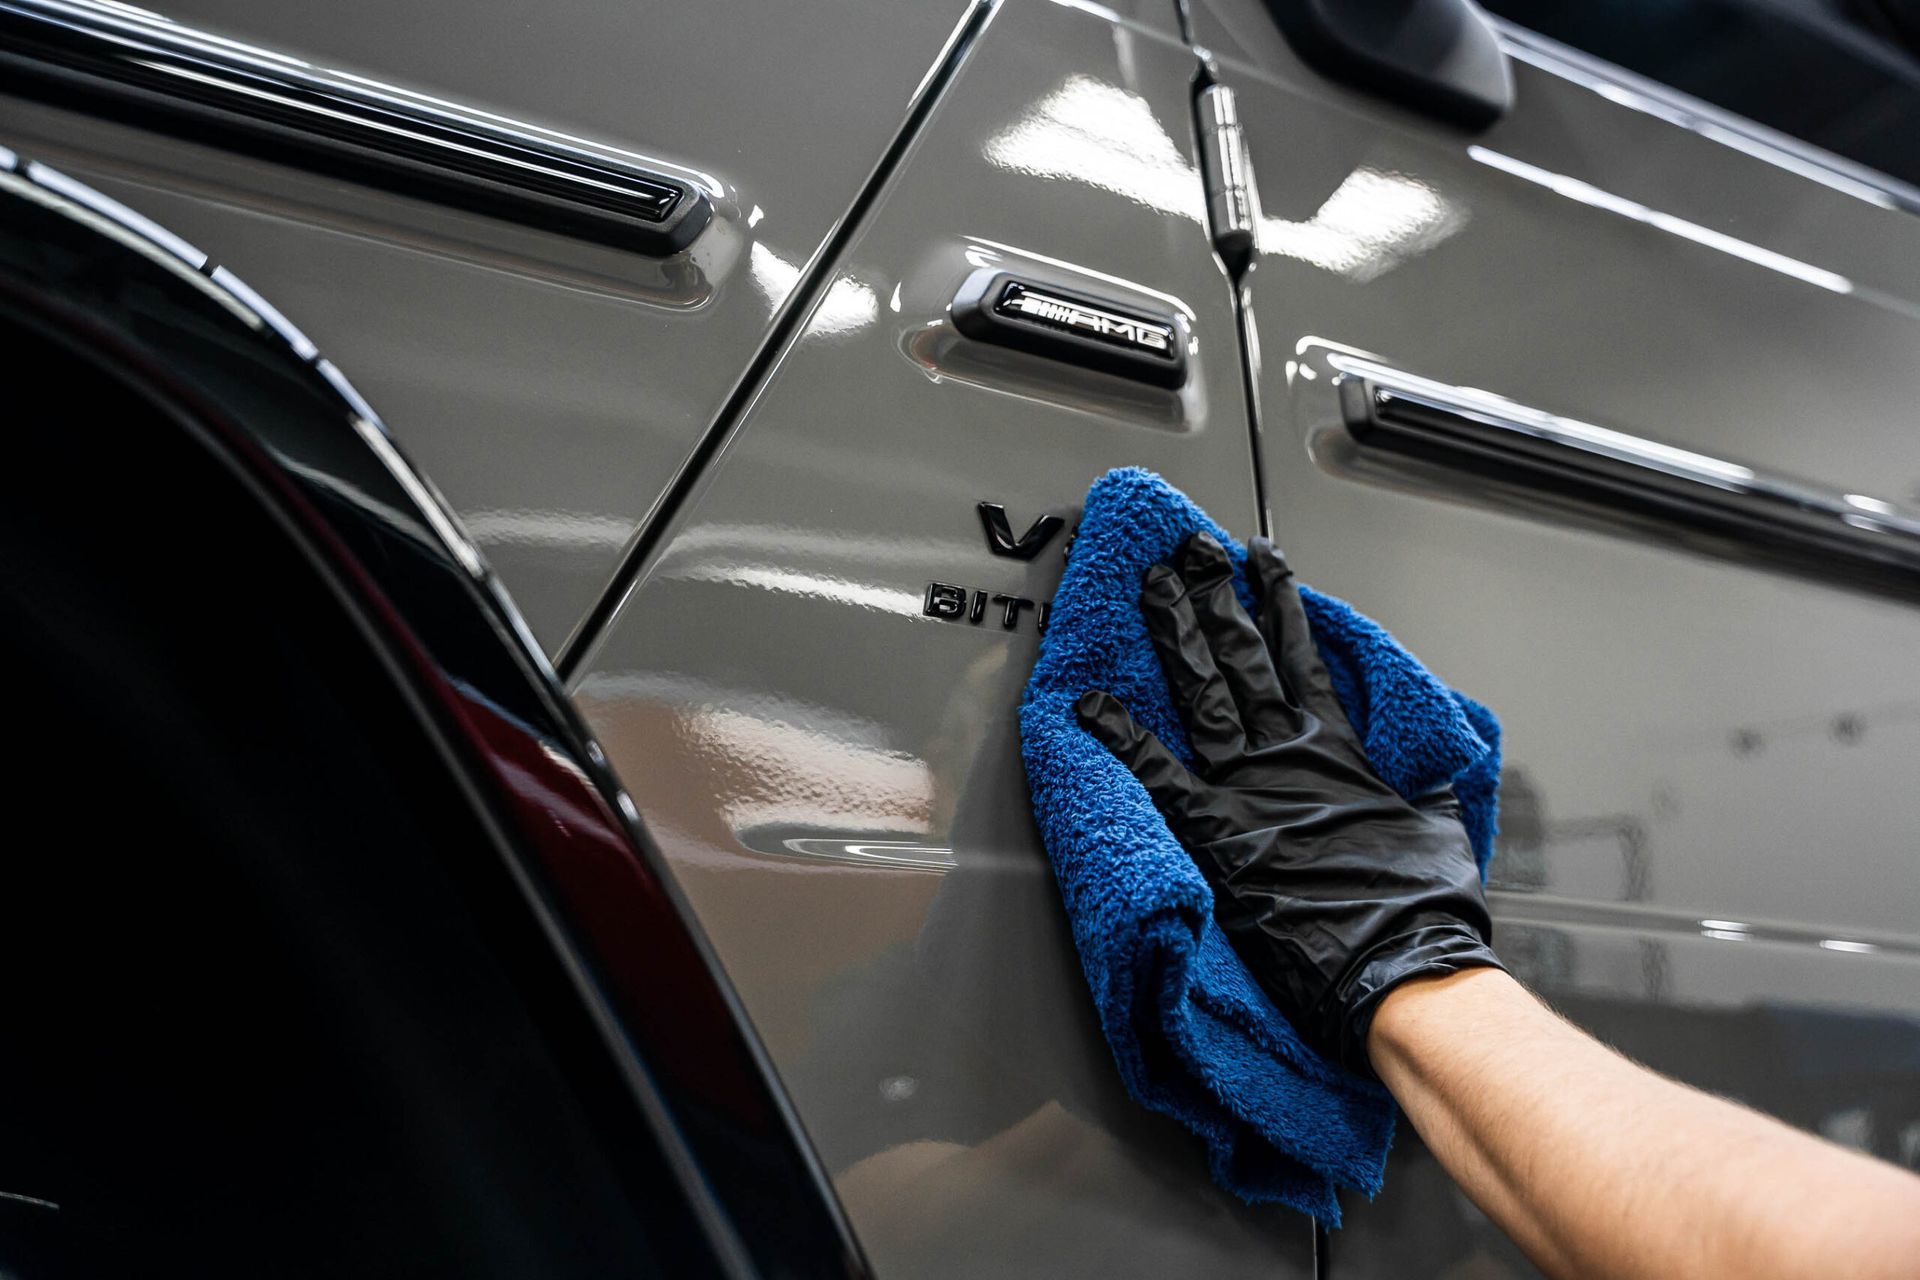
1841	74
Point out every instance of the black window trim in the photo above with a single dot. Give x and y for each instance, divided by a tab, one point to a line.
1641	93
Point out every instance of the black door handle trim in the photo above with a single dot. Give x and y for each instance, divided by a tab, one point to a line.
151	72
1708	503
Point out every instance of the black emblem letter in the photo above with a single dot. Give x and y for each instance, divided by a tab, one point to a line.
944	601
993	518
1011	614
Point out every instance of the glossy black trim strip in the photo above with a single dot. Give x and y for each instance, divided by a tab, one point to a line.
1648	96
1723	125
148	71
654	527
76	264
1709	503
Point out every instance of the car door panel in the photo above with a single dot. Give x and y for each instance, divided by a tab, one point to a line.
835	774
552	385
1706	831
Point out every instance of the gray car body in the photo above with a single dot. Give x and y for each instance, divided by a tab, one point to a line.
719	484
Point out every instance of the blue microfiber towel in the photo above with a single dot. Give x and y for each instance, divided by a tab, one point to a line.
1194	1036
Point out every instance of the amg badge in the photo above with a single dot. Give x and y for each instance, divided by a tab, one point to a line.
996	306
1122	331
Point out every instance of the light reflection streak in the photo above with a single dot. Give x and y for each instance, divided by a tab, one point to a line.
1588	194
1107	137
1373	221
569	530
849	305
428	501
768	761
779	773
894	853
590	530
1683	463
813	586
792	542
1558	911
1881	514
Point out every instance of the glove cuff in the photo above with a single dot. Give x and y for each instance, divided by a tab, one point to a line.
1422	952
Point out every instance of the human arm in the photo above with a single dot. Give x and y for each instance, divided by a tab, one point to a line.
1596	1166
1361	913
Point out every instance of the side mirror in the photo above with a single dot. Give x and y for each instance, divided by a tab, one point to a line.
1441	57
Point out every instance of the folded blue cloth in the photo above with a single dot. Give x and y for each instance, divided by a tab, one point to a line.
1194	1036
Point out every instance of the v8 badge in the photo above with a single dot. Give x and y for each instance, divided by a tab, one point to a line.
951	602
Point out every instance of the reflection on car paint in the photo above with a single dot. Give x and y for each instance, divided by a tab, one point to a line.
1588	194
848	306
1707	814
1373	221
1105	136
933	1020
890	853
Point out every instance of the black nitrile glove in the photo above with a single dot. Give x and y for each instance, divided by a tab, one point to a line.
1331	886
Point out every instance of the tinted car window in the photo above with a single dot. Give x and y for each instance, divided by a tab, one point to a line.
1841	74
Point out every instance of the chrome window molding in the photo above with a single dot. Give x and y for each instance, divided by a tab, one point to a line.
1641	93
1628	483
153	309
144	69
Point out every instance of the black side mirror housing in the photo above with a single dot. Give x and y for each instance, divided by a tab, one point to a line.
1440	57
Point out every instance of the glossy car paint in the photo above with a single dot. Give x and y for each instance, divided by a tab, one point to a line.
1709	820
550	385
835	776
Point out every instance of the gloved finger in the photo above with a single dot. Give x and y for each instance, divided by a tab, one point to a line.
1199	691
1239	652
1158	769
1283	621
1439	800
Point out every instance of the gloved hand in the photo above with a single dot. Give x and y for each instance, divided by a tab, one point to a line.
1332	887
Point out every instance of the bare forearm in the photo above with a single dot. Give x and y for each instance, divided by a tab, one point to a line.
1598	1167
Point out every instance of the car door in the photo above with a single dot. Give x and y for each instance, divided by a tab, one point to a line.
812	689
551	382
1606	409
